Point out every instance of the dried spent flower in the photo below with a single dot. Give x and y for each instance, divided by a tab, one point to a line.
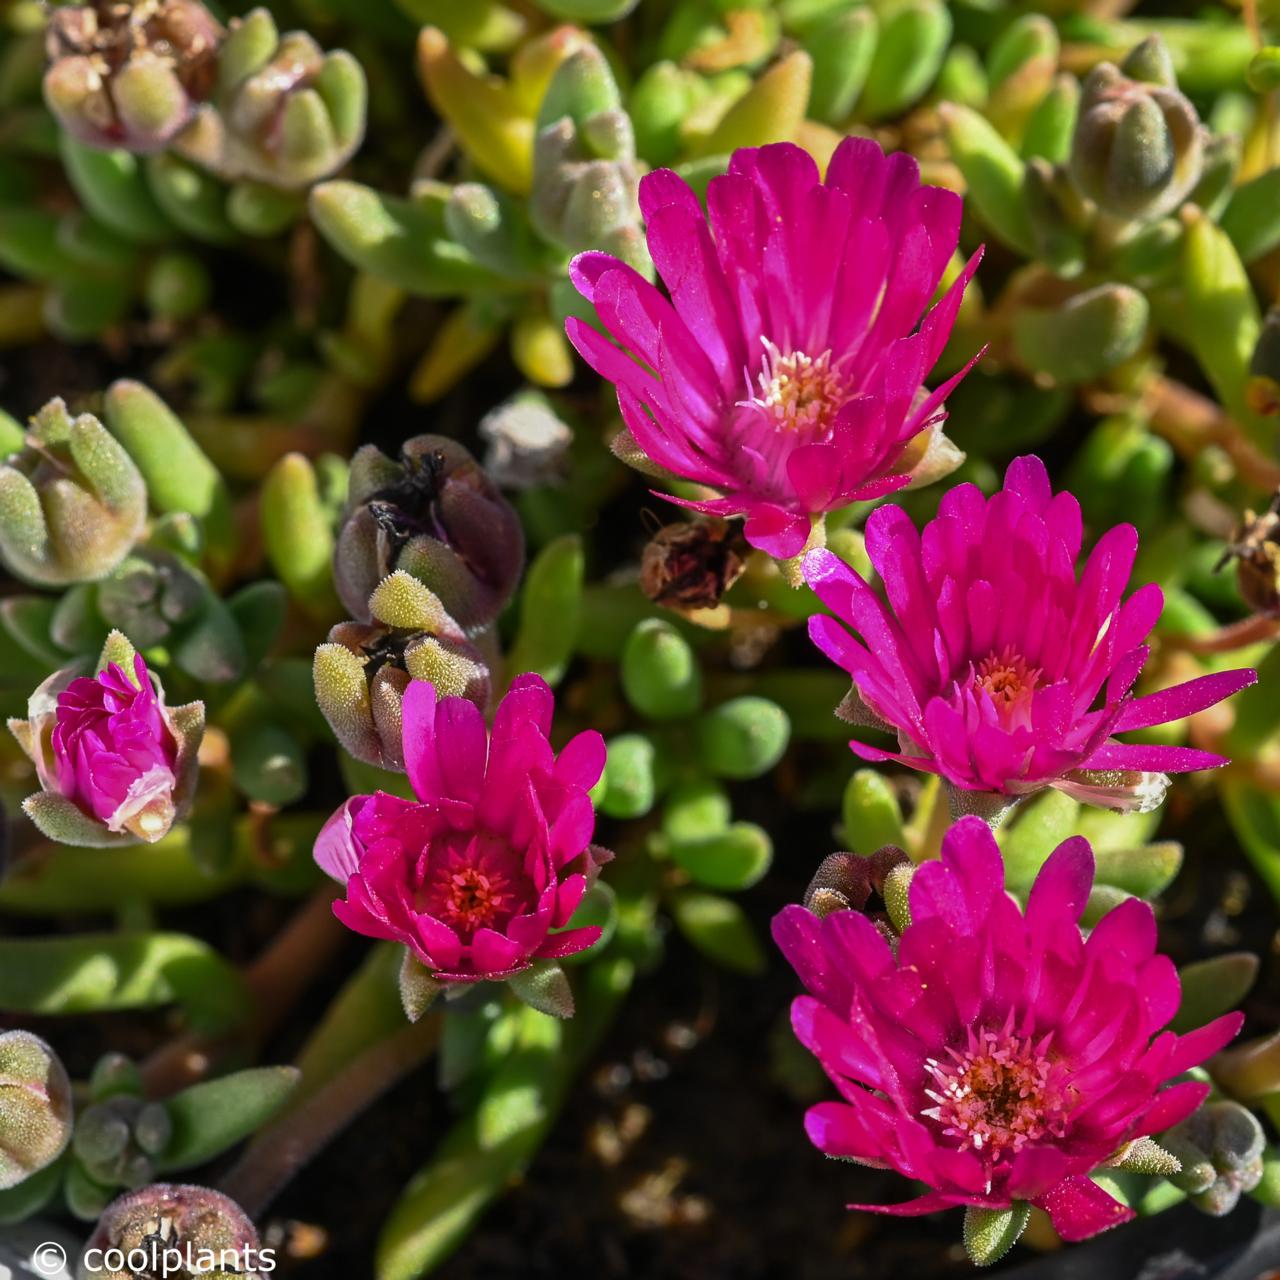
1255	548
690	564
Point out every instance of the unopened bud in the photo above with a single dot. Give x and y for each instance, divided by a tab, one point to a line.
1231	1142
584	163
434	513
130	75
72	503
846	881
1255	548
35	1107
1138	148
202	1230
362	673
285	113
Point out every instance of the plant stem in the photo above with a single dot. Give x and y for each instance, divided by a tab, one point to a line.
275	980
1236	635
1190	422
286	1147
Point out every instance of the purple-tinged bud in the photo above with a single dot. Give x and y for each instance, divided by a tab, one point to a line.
116	766
362	673
174	1230
1138	148
846	881
35	1107
130	74
1255	547
72	502
437	515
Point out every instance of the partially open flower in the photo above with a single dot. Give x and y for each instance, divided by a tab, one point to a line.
434	513
130	73
786	369
480	876
72	502
997	1056
115	764
993	663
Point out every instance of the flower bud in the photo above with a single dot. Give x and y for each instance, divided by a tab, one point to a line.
584	163
845	881
72	503
689	565
1139	145
35	1107
174	1230
285	113
130	75
115	764
1255	547
362	673
1221	1148
437	515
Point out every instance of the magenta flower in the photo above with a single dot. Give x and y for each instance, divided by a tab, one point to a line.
994	663
115	764
998	1055
786	370
482	874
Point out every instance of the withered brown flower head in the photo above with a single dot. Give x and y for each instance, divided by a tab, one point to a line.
1255	548
691	564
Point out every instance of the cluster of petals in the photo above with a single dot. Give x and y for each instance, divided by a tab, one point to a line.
114	753
996	1054
784	366
995	663
480	876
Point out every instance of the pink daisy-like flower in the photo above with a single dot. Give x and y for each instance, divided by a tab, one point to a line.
997	666
998	1055
786	369
481	875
